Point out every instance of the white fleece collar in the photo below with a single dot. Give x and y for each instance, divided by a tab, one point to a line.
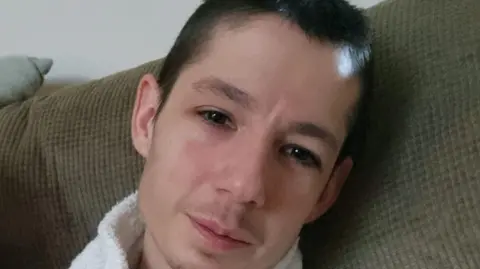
118	244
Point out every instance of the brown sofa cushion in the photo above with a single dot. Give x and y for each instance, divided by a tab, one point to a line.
413	202
65	159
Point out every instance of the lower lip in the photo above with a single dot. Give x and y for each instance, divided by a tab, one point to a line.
215	241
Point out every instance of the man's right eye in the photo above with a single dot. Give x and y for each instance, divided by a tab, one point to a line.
216	118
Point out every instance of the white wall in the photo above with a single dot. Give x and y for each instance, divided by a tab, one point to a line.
92	38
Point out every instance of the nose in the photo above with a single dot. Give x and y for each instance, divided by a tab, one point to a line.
245	176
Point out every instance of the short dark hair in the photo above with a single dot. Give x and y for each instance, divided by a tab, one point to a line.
334	21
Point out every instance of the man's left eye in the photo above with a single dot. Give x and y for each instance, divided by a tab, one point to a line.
301	155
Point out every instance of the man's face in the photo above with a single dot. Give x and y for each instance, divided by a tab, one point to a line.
243	153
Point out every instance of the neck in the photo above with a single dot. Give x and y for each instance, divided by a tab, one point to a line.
150	258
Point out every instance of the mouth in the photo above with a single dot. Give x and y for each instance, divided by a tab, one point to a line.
216	237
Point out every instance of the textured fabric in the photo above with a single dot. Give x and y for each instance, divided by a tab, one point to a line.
65	159
414	201
118	244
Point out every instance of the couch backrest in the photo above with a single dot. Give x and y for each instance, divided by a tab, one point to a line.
413	202
65	159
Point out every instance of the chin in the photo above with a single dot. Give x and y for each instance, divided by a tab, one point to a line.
192	259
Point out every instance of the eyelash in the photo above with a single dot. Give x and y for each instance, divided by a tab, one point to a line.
308	160
223	115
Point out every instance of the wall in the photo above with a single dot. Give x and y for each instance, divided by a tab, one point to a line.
92	38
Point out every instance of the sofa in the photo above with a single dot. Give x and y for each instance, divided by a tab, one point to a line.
413	201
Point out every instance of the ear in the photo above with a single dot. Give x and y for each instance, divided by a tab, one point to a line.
332	189
143	118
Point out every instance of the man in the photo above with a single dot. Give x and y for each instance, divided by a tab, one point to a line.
247	133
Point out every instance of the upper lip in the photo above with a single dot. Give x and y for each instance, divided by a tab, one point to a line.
222	230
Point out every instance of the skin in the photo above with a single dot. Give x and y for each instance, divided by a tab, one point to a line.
233	144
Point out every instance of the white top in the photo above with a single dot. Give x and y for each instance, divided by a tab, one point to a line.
118	244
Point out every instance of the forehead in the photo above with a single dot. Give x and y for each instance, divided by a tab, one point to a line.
274	61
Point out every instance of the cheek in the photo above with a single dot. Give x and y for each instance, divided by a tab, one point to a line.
165	176
292	202
177	166
207	160
292	208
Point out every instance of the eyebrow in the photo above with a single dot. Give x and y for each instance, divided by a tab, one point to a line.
315	131
230	92
226	90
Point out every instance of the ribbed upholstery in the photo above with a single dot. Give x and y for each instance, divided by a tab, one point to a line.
65	159
413	201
